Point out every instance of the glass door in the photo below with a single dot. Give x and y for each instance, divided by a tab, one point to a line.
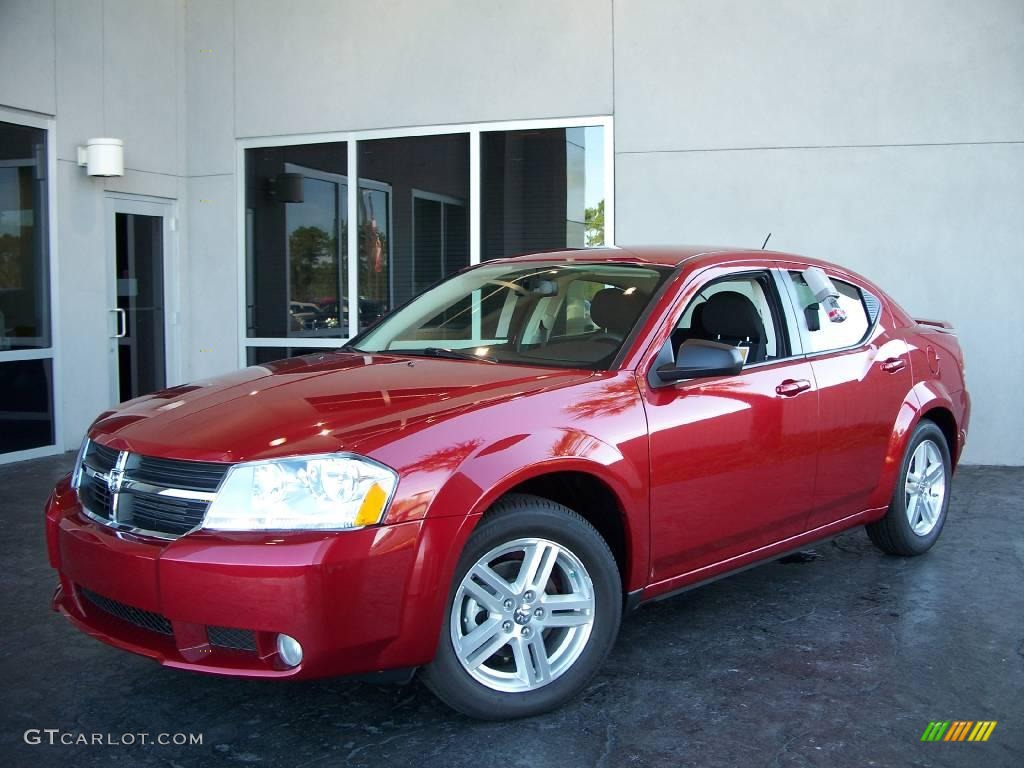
138	309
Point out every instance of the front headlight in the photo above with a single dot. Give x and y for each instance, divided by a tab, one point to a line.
323	492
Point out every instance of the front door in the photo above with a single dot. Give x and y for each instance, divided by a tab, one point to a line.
733	457
139	312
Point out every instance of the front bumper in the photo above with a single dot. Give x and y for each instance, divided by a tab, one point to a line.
358	601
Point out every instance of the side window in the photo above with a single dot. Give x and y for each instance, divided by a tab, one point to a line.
742	310
822	333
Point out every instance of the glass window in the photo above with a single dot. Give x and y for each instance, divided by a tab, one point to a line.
740	310
541	190
24	261
26	405
545	313
413	218
822	333
297	241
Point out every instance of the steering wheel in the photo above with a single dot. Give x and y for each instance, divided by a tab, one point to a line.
607	338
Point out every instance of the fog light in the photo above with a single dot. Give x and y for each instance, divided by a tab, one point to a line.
289	650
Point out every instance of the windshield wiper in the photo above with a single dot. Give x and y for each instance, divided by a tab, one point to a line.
350	348
454	354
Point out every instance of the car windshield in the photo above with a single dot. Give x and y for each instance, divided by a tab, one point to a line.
572	315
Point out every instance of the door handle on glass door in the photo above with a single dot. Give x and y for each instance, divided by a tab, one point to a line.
791	387
894	364
122	323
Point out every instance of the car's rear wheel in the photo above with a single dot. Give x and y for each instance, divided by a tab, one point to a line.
533	611
919	504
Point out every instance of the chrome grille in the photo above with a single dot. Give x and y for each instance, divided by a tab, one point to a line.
159	497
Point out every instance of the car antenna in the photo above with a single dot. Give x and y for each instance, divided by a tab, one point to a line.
766	241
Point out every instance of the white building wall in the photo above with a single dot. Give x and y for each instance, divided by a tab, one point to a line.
101	68
885	135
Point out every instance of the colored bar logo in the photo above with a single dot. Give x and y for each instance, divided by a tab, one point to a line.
959	730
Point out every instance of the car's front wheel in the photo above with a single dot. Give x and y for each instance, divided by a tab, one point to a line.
533	612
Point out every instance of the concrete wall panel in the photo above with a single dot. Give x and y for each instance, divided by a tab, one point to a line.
939	228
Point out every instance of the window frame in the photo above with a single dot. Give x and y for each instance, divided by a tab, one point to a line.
796	310
51	353
352	139
785	331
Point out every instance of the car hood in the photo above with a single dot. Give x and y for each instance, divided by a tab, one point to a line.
315	404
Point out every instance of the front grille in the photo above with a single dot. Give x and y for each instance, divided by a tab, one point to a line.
186	475
146	499
148	620
229	637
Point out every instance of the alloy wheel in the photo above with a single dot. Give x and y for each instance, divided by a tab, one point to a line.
522	615
925	488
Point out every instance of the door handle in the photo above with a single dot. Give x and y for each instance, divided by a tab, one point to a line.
791	387
122	323
894	364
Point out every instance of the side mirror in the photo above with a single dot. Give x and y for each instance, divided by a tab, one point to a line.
699	359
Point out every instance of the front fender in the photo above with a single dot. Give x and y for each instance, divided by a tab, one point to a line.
486	476
482	476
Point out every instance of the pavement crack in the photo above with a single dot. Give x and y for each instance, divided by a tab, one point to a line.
381	743
609	742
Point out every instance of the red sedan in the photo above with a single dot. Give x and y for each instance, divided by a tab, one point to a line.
481	485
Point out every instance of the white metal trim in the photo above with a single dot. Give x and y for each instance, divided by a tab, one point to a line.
240	246
352	251
30	453
14	355
475	171
609	183
29	119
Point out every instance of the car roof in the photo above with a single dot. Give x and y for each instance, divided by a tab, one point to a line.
672	256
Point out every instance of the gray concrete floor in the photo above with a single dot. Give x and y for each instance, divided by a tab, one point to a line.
837	661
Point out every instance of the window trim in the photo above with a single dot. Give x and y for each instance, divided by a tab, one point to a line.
351	139
781	301
794	305
52	352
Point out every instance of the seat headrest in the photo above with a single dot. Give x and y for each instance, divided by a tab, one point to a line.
616	310
731	314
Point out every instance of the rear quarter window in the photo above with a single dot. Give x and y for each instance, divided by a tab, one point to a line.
855	302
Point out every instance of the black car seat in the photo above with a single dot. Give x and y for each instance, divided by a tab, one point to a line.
694	331
731	318
616	311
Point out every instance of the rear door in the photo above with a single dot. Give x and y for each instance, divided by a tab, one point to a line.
732	457
863	375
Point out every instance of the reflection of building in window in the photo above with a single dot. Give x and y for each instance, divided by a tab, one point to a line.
541	190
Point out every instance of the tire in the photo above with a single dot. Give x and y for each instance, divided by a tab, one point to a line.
925	503
492	680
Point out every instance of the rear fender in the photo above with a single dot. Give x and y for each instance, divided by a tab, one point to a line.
923	397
